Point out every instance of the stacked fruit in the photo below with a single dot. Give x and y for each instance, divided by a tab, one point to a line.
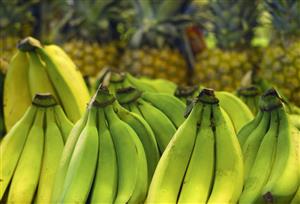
31	151
203	161
270	148
39	69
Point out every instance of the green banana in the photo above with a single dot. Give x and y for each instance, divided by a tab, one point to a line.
81	170
26	175
250	96
140	85
64	124
235	108
146	135
295	120
53	148
12	146
200	172
296	198
172	107
161	85
261	168
171	168
229	170
105	183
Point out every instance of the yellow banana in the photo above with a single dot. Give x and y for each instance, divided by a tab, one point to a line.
16	97
26	175
54	144
12	146
64	124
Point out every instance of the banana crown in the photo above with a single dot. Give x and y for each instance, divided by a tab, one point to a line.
44	100
249	91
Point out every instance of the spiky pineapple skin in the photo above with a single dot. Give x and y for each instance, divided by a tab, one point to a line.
281	66
223	69
165	63
92	57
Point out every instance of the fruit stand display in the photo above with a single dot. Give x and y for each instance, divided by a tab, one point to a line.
150	101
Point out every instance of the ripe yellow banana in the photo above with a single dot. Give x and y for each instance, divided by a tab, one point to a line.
53	148
229	170
64	124
169	174
26	175
17	96
81	170
12	146
198	179
106	178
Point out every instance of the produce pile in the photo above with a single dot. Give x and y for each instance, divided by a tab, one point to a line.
150	101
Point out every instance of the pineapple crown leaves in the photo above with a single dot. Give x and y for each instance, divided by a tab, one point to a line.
285	16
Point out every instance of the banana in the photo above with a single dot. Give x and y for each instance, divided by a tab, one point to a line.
162	127
146	135
199	176
284	177
81	170
17	96
235	108
138	84
64	124
260	171
169	174
295	120
130	154
229	170
245	131
161	85
250	96
39	81
253	141
26	175
105	184
12	146
172	107
66	158
54	145
296	198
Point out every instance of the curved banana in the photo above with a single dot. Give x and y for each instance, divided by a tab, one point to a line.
235	108
138	84
26	175
171	106
198	179
39	81
260	171
284	178
54	145
146	135
169	174
81	170
12	146
16	97
106	178
229	171
66	156
64	124
129	155
253	141
161	85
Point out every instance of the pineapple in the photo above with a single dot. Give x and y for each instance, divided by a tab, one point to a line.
232	23
92	42
155	43
281	60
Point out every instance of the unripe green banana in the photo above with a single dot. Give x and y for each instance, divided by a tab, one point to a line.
53	148
26	175
12	146
106	178
140	85
64	124
229	170
81	170
260	171
172	166
160	85
172	107
198	179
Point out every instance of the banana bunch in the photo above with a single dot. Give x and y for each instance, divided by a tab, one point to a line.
270	145
235	108
42	69
163	112
203	162
104	160
250	96
115	79
31	150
